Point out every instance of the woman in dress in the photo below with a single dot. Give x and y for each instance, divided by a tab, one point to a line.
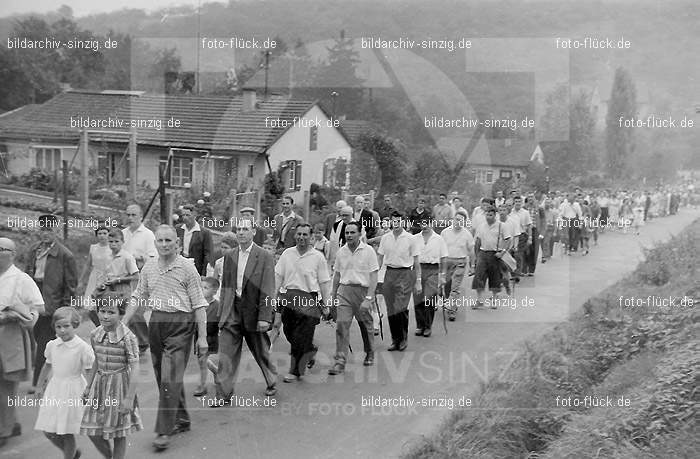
95	270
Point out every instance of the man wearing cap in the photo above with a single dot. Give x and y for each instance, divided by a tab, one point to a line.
195	241
53	268
398	250
432	252
141	243
301	274
20	304
285	224
248	213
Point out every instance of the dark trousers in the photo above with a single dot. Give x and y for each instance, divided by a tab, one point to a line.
520	252
230	346
532	251
170	340
573	231
397	289
138	326
43	333
299	325
488	268
426	301
604	215
8	414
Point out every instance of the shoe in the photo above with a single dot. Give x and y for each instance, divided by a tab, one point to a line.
200	391
376	332
419	332
289	378
77	454
544	260
402	346
451	318
393	347
161	442
530	274
16	430
336	369
271	391
369	359
427	332
31	390
180	428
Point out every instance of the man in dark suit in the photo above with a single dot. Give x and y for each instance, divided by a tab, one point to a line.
195	241
285	225
333	219
247	292
365	216
53	268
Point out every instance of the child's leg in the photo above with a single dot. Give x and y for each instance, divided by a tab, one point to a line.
119	448
102	445
56	439
69	447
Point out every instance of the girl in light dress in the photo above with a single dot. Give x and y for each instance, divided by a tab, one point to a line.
112	408
638	213
61	383
227	244
95	270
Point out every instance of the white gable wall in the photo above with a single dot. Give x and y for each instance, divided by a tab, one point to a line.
294	145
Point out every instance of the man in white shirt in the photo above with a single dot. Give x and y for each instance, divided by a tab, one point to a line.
570	212
460	247
489	241
398	251
301	274
432	252
500	200
442	212
140	242
509	232
524	225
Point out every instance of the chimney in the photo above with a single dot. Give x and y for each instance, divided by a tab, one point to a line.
248	100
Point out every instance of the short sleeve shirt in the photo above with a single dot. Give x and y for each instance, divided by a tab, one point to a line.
489	236
431	252
302	271
18	289
457	242
355	267
177	288
399	251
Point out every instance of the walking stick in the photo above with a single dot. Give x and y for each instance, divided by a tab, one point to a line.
379	314
442	303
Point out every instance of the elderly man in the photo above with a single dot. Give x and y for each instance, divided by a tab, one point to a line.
195	241
53	268
301	274
333	222
248	213
20	304
140	242
171	287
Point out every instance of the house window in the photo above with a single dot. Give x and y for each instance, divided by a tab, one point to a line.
294	175
517	175
505	174
313	138
48	158
489	176
180	171
251	170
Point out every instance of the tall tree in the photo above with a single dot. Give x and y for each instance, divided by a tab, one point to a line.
619	140
343	88
390	160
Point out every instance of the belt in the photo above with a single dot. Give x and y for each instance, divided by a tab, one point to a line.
353	285
488	251
391	267
429	265
457	258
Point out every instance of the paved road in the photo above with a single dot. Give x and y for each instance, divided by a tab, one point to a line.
323	416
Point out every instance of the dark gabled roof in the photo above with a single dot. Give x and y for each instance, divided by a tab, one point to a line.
353	130
213	123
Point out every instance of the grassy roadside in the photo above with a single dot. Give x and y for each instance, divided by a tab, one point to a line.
645	357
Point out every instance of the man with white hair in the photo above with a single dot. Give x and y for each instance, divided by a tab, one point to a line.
364	216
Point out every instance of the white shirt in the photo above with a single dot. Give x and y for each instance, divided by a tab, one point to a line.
355	267
301	271
514	223
399	251
568	210
140	243
242	262
488	234
187	238
19	290
458	242
433	251
524	219
335	232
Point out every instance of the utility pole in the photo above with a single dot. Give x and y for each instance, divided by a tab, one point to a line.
84	172
267	68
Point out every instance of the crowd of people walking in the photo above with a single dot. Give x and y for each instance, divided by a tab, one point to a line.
166	291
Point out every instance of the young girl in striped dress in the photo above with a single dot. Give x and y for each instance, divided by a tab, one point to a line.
112	412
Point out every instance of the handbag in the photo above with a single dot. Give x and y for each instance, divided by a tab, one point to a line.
505	257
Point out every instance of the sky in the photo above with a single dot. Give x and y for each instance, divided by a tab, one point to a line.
85	7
